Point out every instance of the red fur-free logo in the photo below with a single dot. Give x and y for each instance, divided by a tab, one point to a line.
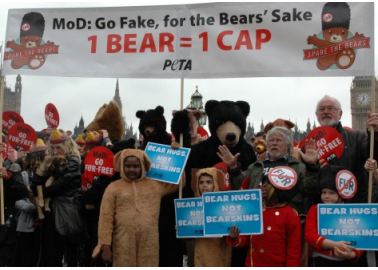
336	46
30	50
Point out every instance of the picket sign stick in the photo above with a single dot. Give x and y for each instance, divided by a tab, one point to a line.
181	135
370	195
1	160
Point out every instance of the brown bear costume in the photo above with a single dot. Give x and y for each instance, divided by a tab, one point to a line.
211	252
129	215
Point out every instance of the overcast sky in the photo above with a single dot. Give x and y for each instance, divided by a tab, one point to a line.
269	98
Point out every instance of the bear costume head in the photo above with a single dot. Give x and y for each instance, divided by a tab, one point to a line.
227	120
152	126
108	117
335	21
32	29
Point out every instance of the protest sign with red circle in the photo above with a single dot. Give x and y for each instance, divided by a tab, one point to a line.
346	184
10	118
283	177
51	116
5	150
21	136
328	140
99	161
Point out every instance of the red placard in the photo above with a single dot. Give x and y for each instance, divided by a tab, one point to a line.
329	141
51	116
99	161
10	119
21	136
346	184
5	150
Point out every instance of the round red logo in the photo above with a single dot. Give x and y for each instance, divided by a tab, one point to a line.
25	27
328	17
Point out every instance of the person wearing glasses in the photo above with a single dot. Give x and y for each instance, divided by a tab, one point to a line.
356	143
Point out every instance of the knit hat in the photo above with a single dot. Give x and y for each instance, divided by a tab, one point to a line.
57	137
335	14
37	147
327	177
33	24
79	140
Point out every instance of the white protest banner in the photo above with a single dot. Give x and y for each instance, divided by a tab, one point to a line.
354	223
242	208
189	217
167	164
214	40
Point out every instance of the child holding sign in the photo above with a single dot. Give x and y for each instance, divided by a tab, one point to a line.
328	253
210	252
280	244
129	213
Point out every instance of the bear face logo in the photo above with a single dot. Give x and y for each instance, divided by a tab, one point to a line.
29	50
335	47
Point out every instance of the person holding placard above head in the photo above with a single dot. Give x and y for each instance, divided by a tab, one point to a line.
280	244
128	226
279	145
356	143
328	253
210	252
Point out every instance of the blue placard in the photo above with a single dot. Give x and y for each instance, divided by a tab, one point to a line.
355	223
189	217
242	208
167	164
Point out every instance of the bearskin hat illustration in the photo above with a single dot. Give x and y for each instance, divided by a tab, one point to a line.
335	14
32	24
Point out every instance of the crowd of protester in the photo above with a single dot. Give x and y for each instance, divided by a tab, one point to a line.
106	211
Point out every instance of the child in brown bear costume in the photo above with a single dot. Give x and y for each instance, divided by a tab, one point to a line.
210	252
129	213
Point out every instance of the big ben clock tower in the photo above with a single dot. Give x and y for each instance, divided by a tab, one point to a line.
361	101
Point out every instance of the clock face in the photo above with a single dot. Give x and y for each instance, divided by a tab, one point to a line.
363	99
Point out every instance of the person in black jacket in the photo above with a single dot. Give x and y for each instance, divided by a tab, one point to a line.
356	148
356	143
14	190
65	184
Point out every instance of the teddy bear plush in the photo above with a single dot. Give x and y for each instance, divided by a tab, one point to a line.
259	145
335	27
152	126
108	117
